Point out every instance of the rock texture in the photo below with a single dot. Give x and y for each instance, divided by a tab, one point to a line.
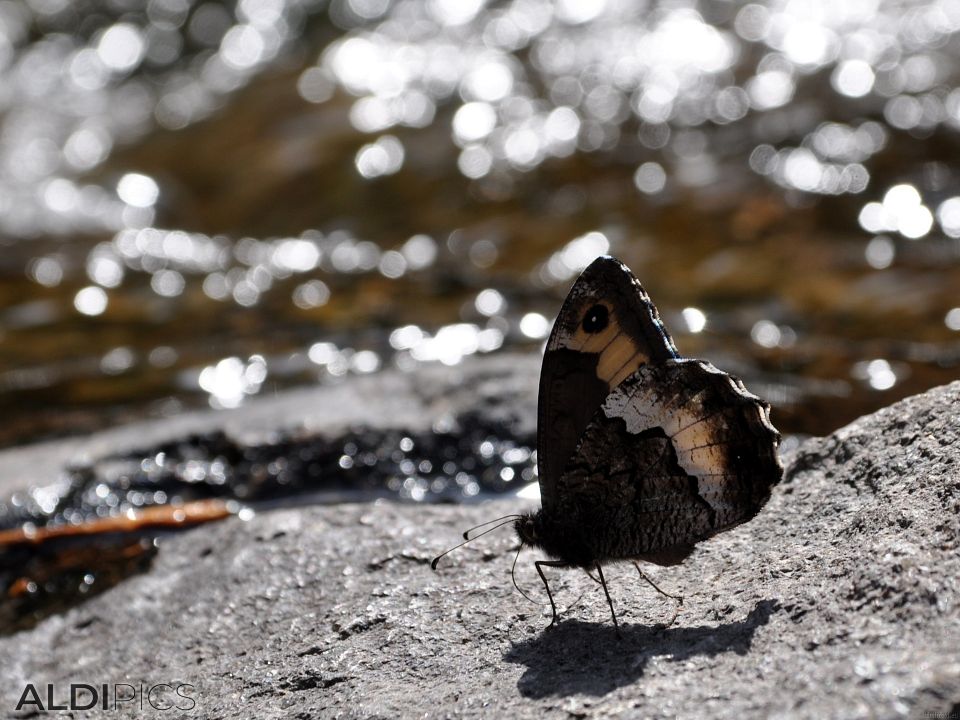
840	599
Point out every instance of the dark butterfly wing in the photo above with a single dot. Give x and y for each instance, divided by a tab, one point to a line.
677	452
606	329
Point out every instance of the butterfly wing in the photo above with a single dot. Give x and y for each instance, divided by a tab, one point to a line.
677	452
607	328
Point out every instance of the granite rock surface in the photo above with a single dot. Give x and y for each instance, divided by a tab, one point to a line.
840	599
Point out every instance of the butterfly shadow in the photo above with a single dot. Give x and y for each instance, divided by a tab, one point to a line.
586	658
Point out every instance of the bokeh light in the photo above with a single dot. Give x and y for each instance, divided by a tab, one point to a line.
439	172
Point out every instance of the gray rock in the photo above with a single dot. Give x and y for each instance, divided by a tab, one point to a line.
839	600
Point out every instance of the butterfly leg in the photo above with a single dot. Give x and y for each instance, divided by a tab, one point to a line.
609	601
549	563
678	598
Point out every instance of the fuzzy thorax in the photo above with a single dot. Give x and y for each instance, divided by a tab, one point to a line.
561	542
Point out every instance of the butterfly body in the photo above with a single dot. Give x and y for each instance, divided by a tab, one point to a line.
641	453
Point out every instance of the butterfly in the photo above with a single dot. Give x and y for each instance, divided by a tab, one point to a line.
641	453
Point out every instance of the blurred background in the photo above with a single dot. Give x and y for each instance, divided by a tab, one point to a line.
204	201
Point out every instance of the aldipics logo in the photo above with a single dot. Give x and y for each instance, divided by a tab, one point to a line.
108	696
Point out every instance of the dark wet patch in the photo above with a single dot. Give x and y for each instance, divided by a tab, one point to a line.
61	544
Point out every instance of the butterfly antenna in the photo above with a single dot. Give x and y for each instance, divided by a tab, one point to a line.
507	521
513	575
466	533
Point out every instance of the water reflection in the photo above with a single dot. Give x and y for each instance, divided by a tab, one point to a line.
71	97
230	379
900	211
695	319
534	325
573	258
404	182
878	374
90	301
952	320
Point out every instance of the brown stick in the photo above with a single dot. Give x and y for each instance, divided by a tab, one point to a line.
169	516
